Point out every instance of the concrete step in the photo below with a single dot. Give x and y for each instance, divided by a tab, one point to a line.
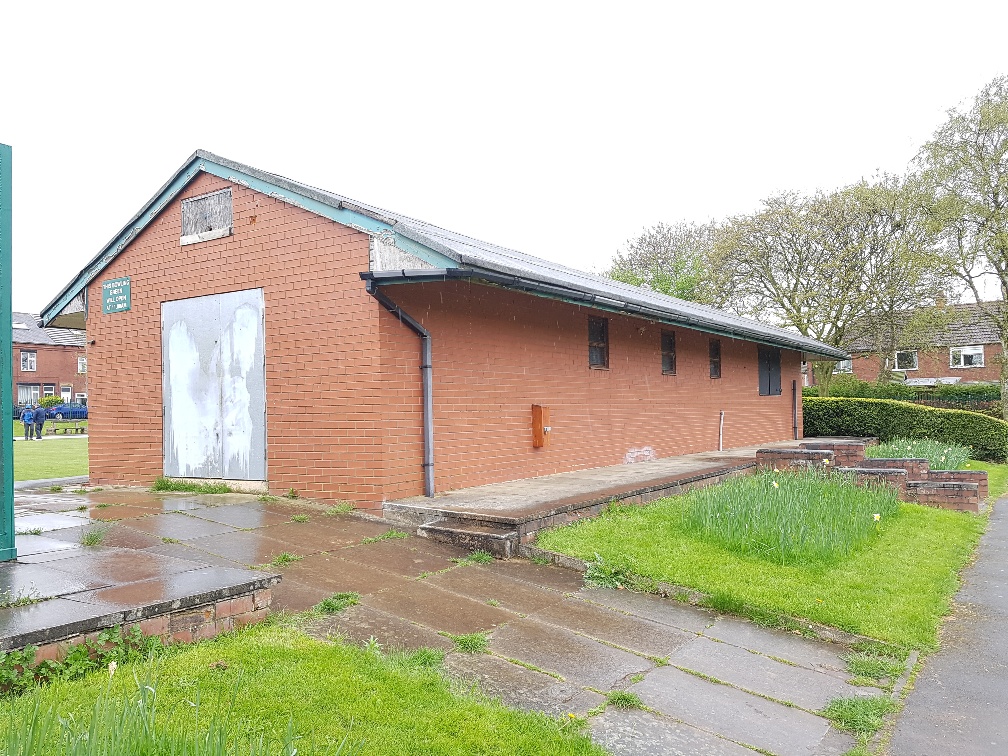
501	541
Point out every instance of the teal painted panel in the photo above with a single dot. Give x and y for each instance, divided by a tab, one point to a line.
116	295
7	547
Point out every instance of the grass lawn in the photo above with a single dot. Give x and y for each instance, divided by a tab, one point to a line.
50	458
997	477
49	425
894	587
275	675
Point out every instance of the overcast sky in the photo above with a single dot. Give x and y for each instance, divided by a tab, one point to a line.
560	129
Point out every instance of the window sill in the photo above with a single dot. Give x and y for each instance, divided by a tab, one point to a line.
665	372
598	367
965	367
205	236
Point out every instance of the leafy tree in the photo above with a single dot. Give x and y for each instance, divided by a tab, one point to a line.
966	164
677	260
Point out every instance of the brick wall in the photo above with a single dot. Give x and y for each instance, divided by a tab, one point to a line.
343	379
55	365
934	363
497	352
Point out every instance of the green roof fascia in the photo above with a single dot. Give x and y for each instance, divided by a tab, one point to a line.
183	177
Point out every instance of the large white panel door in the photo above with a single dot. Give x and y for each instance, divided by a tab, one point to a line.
214	386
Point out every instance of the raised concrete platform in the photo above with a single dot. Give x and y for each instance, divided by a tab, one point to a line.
500	516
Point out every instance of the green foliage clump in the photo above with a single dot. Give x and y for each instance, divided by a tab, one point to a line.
853	387
20	672
390	533
184	486
859	715
790	517
337	602
471	643
623	699
887	420
939	456
50	401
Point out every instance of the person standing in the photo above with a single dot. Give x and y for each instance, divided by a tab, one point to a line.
40	418
28	418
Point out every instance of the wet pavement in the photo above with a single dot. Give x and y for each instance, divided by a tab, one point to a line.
712	684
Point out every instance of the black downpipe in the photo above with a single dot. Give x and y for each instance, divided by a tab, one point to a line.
426	372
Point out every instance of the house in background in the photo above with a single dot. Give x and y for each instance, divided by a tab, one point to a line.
47	361
249	328
966	350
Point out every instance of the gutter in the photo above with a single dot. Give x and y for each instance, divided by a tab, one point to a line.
598	301
426	372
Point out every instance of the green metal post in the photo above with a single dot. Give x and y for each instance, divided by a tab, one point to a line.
7	549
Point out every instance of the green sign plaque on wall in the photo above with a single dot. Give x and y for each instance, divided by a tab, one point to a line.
115	295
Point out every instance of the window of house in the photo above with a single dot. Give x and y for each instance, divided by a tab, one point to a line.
769	371
28	393
28	361
905	360
843	366
598	342
668	352
48	389
714	350
82	364
80	398
968	356
207	217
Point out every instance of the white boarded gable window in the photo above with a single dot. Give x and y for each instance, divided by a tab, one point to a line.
206	217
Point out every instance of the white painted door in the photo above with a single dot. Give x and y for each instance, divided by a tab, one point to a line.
214	386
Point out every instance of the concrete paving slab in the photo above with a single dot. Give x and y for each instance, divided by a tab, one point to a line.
179	526
439	610
32	548
806	652
253	515
798	685
543	575
337	575
48	522
41	581
241	546
294	596
641	733
519	687
633	633
732	713
579	660
306	538
115	534
396	556
485	583
115	512
184	551
39	623
357	624
114	566
655	608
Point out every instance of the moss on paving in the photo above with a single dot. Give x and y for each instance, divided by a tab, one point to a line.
277	674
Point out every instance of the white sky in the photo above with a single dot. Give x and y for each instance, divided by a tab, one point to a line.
560	129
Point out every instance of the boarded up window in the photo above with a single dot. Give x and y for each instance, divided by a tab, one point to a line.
207	217
714	350
769	372
598	342
668	352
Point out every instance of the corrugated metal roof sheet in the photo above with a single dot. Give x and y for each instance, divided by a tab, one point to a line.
26	330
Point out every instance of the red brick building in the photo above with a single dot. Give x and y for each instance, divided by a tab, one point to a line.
47	361
967	348
247	327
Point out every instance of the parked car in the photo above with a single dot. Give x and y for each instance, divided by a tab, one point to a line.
71	411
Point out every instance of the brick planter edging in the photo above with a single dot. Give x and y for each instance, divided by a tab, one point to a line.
184	621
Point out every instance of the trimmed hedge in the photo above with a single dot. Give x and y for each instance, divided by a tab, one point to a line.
887	419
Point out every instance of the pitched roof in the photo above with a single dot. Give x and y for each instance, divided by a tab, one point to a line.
443	250
27	329
968	325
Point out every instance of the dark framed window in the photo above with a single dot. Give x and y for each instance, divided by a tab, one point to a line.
769	371
598	342
714	350
668	352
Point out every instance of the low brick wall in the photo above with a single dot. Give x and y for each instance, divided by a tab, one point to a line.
782	459
895	477
916	469
963	497
962	476
845	453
